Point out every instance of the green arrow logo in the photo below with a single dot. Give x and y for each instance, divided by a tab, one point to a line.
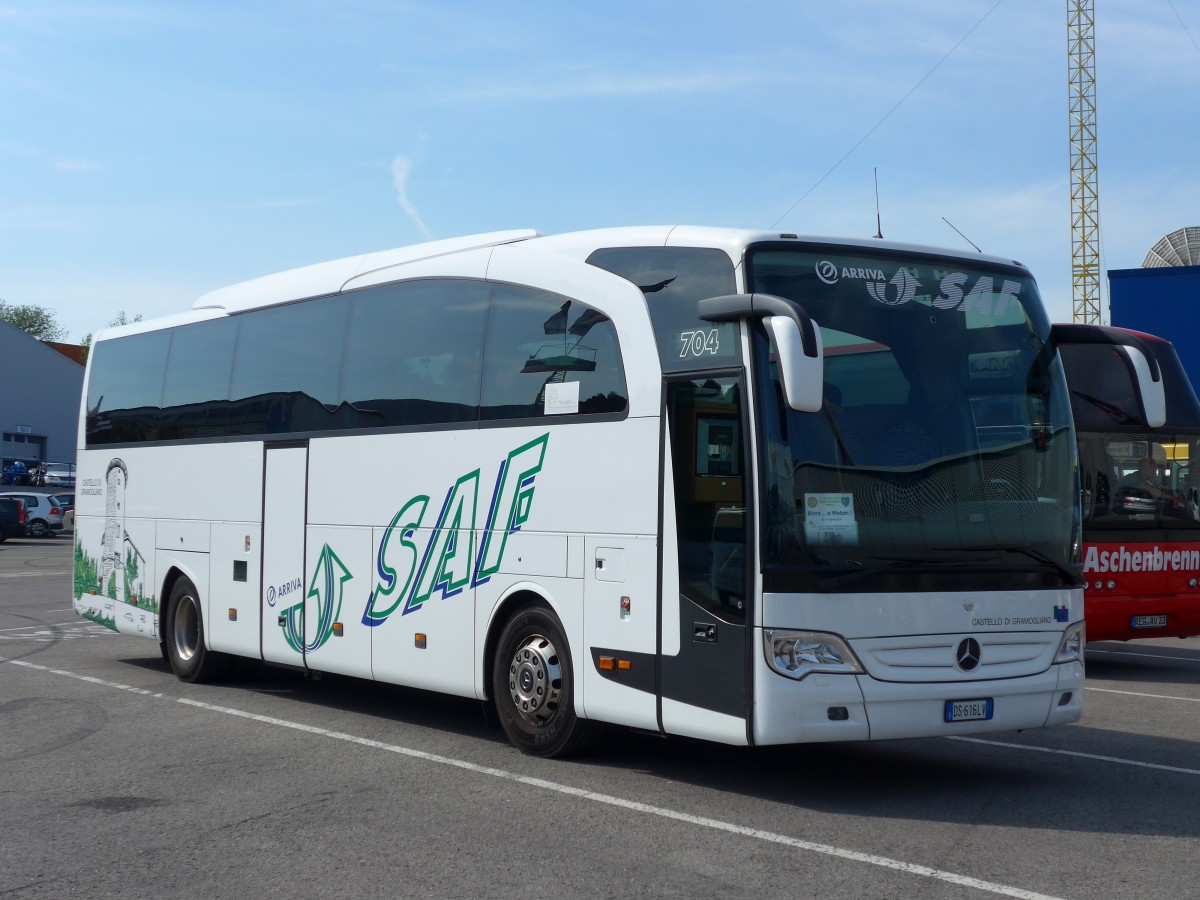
324	598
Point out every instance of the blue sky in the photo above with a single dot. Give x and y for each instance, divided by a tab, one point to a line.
153	151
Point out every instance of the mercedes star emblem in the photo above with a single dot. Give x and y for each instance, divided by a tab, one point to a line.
968	654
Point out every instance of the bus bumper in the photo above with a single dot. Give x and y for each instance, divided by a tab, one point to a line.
1113	617
858	707
1052	697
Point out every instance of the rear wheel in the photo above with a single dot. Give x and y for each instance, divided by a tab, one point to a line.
183	629
533	687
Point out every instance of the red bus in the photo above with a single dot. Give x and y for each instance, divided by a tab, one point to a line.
1141	495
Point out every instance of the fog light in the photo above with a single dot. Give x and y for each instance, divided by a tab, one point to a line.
1064	699
1111	585
840	713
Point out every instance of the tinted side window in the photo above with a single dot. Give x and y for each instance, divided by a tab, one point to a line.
413	354
673	279
196	388
287	366
549	355
125	388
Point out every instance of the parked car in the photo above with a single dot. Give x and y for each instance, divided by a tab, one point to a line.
43	515
66	502
12	518
59	474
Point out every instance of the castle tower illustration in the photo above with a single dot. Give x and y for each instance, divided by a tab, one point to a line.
112	544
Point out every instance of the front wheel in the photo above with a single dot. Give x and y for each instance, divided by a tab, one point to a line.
183	640
533	687
39	528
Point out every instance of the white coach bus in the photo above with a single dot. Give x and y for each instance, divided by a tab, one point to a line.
757	488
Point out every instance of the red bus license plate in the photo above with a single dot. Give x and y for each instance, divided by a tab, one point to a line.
969	710
1147	621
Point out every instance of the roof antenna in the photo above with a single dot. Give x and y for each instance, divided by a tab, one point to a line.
961	235
878	226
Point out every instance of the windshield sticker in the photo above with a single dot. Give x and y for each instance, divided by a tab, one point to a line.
897	291
561	398
904	283
829	519
982	298
954	291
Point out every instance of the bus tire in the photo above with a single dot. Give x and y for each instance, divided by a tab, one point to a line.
533	687
190	658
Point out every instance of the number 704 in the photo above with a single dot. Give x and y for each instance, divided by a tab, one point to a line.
699	342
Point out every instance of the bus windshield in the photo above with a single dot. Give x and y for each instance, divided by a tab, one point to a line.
1140	482
945	445
1134	477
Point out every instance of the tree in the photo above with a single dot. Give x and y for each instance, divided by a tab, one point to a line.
35	321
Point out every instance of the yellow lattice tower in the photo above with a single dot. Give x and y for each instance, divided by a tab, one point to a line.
1085	201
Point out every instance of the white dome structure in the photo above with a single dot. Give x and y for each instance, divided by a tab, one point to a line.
1179	248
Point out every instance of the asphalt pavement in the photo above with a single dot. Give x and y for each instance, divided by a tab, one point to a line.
120	780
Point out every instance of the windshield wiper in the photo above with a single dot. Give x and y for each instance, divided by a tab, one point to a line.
894	564
1113	411
1073	576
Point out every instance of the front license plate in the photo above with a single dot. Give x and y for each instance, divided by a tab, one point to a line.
1147	621
969	710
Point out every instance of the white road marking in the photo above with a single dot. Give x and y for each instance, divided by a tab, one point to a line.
1143	655
74	622
1137	694
1078	755
607	799
47	574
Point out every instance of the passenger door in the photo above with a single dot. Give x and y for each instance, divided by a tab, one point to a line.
704	685
285	510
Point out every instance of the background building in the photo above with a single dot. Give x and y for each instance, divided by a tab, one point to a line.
40	391
1163	297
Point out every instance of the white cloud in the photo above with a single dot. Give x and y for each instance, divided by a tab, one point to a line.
401	169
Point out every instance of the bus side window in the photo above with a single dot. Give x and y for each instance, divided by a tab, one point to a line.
125	390
196	385
285	377
537	341
413	353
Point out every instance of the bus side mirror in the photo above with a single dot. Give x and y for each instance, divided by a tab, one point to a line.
1154	398
800	372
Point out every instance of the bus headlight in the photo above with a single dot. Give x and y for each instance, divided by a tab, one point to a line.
1070	648
798	654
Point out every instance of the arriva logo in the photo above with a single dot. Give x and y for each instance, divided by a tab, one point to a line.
903	281
903	285
410	572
